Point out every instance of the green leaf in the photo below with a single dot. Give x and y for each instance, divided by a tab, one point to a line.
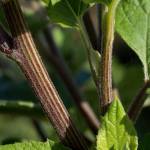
117	131
66	12
49	145
133	24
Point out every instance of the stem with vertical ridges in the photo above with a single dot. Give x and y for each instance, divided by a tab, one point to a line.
108	26
59	63
25	53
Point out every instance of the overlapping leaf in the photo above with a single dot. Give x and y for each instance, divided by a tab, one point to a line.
117	131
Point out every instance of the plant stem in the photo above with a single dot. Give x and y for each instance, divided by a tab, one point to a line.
138	102
108	27
26	55
89	49
5	46
64	72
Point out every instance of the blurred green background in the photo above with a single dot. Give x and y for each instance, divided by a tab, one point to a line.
127	78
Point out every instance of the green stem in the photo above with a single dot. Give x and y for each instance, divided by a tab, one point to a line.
89	49
87	44
108	27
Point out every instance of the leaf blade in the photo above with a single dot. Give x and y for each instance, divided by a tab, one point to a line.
116	131
133	25
66	12
49	145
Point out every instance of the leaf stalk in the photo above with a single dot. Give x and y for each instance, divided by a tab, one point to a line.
88	46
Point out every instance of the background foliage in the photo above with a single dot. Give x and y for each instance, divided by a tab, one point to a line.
127	75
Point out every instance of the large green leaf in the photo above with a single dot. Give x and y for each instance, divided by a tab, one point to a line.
49	145
66	12
133	24
117	131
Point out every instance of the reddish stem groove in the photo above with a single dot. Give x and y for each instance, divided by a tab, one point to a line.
64	72
26	55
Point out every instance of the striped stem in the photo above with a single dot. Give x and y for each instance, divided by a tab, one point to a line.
25	54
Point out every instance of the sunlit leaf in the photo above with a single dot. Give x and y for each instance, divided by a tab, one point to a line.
116	131
49	145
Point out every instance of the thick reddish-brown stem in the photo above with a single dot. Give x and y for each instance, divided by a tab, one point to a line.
64	72
25	54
